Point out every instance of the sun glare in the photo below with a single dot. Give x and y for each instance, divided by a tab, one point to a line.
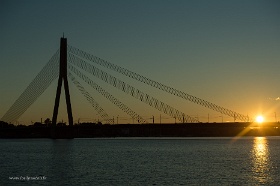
259	119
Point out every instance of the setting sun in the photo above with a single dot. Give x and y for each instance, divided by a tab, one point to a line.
259	119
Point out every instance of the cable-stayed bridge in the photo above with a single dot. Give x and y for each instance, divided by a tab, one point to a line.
70	63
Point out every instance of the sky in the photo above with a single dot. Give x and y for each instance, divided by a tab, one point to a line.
225	52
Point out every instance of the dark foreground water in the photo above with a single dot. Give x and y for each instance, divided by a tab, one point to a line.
141	161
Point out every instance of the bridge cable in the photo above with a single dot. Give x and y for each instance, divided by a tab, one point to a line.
107	95
156	84
39	84
25	100
136	93
33	91
94	104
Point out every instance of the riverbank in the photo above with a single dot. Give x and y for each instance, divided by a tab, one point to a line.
91	130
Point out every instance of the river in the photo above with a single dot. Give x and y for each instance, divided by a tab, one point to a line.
141	161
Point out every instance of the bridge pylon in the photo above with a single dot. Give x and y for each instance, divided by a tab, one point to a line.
62	77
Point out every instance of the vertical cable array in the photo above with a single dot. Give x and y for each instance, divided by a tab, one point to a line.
156	84
109	96
39	84
94	103
130	90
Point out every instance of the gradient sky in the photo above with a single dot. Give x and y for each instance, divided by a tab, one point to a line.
225	52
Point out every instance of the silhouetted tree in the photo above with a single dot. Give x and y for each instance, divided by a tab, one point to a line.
3	124
48	121
60	124
37	124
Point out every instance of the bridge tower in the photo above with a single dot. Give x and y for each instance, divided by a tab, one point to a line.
62	77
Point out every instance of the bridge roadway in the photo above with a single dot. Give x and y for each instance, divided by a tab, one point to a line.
89	130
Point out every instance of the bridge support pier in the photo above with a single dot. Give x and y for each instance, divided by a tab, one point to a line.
62	77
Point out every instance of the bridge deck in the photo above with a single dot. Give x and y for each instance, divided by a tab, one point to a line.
145	130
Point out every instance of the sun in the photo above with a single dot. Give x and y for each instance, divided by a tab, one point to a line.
259	119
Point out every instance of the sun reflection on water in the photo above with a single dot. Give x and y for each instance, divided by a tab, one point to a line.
261	160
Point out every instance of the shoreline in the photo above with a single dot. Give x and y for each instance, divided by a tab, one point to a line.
91	130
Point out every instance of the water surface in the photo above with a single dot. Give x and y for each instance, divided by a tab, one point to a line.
140	161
